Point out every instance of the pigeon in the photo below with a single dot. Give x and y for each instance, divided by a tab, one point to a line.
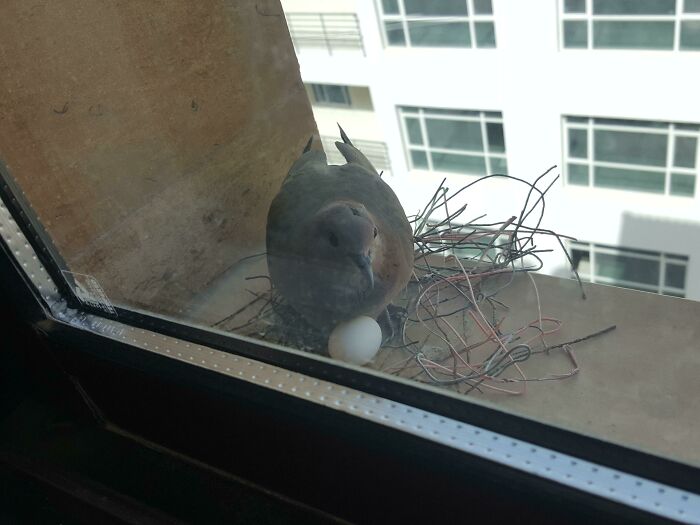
338	241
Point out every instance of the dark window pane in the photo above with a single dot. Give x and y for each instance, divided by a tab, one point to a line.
582	260
415	136
623	179
627	122
687	127
673	294
409	109
454	134
436	7
577	120
452	112
682	184
684	152
494	131
575	34
471	164
319	95
419	160
634	7
675	275
631	147
632	35
575	6
499	165
690	34
394	33
390	7
337	94
483	7
626	268
578	143
493	114
691	6
578	174
485	34
427	33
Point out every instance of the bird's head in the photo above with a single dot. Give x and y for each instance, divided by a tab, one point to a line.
344	234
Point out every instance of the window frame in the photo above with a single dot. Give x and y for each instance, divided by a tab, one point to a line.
670	130
483	119
662	258
471	18
131	346
317	88
589	18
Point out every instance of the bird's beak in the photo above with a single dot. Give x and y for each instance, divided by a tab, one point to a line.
364	263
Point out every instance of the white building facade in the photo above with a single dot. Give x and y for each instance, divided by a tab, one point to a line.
461	88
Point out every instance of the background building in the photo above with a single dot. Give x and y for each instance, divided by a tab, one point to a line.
605	89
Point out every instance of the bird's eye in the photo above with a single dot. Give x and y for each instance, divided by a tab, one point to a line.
355	212
333	239
375	232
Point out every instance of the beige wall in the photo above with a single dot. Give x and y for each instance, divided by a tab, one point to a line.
150	137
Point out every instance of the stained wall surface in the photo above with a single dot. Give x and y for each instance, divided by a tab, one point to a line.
150	137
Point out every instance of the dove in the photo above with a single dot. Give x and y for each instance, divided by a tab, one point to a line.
338	241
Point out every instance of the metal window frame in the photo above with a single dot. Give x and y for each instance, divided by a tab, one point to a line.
671	132
482	119
639	480
589	17
470	19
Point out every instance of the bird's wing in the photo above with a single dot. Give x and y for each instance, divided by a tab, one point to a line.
311	160
352	154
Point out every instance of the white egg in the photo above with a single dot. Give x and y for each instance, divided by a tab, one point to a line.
356	341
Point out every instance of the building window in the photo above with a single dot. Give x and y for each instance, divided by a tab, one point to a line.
656	272
456	141
331	95
630	24
637	155
438	23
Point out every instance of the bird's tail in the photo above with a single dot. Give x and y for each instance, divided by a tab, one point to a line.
351	153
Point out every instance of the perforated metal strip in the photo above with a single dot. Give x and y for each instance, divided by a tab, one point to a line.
637	492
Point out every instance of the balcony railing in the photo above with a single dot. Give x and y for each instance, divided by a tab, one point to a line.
330	31
375	151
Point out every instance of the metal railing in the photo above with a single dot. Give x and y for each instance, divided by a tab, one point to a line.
330	31
375	151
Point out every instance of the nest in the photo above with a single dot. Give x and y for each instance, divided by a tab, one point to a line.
450	322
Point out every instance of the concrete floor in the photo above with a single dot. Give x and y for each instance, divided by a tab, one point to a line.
638	385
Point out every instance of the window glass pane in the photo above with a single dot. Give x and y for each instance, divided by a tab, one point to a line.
452	112
632	35
394	33
682	184
499	165
577	120
691	6
675	275
634	7
687	127
459	163
432	33
454	134
578	143
390	7
337	94
415	135
575	34
319	94
419	159
485	34
494	131
483	7
631	147
627	122
684	152
578	174
436	7
582	261
575	6
625	179
627	268
690	34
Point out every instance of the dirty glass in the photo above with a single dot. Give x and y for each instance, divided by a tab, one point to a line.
515	227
